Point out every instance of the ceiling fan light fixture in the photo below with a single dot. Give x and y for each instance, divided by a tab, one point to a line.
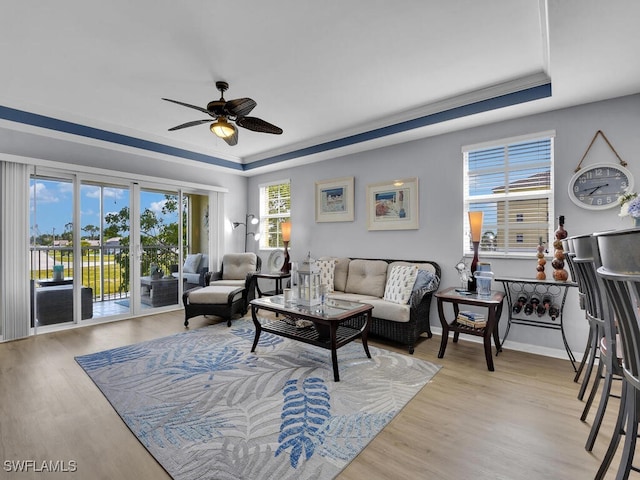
221	128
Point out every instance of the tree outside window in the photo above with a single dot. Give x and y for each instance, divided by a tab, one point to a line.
275	208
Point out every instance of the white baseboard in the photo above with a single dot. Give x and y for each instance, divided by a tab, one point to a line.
521	347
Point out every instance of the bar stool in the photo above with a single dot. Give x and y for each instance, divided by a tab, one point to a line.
598	311
591	353
567	246
620	273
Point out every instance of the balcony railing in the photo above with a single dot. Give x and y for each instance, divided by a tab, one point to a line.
106	269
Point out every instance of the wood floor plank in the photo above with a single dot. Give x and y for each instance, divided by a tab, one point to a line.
520	422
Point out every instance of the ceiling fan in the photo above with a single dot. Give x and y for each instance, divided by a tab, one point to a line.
223	111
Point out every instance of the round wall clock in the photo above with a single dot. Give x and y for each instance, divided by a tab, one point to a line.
598	187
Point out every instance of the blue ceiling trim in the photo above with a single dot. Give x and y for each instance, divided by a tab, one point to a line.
522	96
501	101
50	123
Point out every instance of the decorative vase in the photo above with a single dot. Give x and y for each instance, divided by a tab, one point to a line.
540	275
559	273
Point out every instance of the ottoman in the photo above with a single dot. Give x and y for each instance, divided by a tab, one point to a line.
221	300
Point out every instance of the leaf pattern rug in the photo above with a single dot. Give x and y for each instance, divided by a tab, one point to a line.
207	408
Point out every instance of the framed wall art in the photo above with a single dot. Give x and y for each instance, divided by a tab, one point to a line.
393	205
334	200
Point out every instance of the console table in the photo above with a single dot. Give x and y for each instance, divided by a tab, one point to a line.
528	288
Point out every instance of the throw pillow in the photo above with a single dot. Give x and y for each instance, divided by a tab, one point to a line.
400	283
327	269
425	279
191	263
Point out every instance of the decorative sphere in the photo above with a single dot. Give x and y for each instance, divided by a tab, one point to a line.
540	255
559	254
541	276
557	244
540	268
541	248
560	275
557	264
542	261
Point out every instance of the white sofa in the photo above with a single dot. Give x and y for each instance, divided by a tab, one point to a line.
370	281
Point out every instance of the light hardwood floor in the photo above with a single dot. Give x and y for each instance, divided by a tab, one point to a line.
519	422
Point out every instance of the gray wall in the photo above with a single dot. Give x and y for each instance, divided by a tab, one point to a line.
437	162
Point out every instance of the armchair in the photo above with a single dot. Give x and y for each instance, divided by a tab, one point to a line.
194	270
237	269
226	292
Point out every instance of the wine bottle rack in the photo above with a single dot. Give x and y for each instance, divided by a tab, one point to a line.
522	309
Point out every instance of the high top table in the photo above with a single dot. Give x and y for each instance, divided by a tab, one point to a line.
332	325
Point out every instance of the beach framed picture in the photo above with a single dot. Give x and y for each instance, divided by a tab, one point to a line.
393	205
334	200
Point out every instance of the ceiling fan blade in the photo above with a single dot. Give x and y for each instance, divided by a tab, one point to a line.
203	110
190	124
240	106
233	139
258	125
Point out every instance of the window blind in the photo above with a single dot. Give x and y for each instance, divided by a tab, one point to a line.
511	183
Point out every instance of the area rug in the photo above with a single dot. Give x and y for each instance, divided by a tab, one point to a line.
207	408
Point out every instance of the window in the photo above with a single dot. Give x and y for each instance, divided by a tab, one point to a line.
510	181
275	208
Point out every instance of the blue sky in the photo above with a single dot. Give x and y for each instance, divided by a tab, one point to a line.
52	205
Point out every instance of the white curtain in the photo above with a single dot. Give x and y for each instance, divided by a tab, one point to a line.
15	296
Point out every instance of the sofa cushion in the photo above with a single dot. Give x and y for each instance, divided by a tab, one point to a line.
394	312
340	273
400	283
235	266
367	277
191	263
327	269
352	297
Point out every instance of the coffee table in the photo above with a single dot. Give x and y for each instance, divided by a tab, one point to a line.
334	324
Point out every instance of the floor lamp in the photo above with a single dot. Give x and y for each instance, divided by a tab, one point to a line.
250	218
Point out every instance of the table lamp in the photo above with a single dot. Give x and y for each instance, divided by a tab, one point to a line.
285	228
475	225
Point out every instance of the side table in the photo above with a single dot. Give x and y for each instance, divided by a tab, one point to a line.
159	292
277	277
493	304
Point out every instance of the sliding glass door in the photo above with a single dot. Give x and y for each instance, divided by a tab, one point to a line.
103	250
159	244
52	265
104	239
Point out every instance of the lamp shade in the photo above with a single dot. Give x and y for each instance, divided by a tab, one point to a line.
286	231
475	224
222	128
